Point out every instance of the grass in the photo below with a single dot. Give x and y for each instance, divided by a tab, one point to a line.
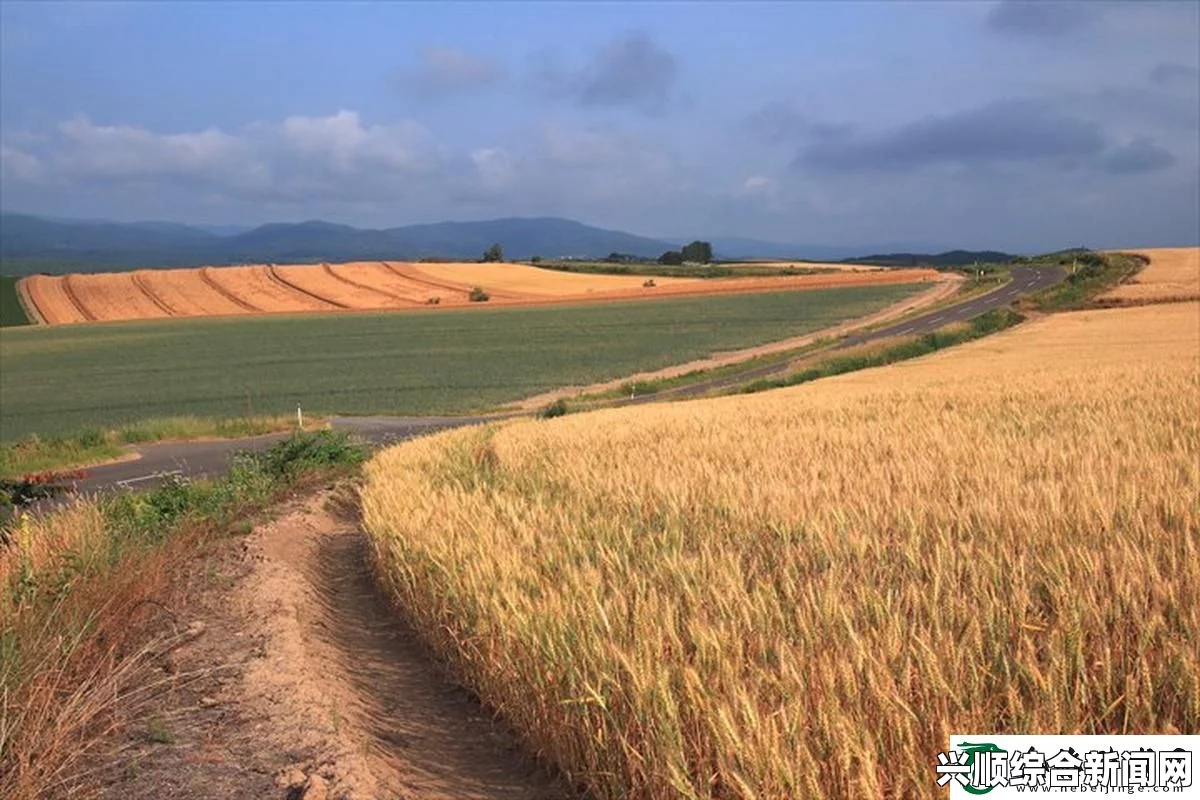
56	380
1090	275
653	270
94	445
803	593
12	313
878	355
83	591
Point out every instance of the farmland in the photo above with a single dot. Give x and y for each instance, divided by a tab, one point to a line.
803	593
375	286
60	378
1173	274
11	311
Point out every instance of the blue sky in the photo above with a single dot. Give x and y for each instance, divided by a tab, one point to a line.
1021	125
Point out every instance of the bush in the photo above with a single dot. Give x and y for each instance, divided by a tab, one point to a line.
478	295
649	284
556	409
433	301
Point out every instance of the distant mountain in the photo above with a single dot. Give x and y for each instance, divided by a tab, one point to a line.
35	244
732	248
951	258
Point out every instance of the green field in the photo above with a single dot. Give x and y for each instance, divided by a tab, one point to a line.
55	380
11	312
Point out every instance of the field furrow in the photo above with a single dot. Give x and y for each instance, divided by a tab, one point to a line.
320	281
382	278
207	277
418	276
187	293
256	285
276	274
72	292
49	296
113	296
139	280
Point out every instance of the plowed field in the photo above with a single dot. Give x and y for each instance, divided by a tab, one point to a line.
374	286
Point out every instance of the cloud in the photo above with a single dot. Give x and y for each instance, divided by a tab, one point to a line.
630	71
445	70
1002	132
297	157
19	165
495	167
1139	155
780	122
1170	74
1043	18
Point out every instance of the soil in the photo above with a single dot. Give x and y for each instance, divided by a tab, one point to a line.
303	683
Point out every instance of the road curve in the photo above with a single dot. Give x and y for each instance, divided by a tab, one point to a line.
211	458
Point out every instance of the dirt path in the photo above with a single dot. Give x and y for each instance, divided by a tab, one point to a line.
304	685
945	287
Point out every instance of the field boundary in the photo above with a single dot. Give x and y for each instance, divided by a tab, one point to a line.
275	277
27	302
228	295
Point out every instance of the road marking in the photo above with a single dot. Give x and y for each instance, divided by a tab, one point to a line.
175	473
905	330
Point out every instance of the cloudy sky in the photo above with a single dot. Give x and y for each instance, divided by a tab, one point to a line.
1017	125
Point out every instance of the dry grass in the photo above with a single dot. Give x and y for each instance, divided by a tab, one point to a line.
802	593
1173	274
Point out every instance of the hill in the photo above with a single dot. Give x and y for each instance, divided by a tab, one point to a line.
951	258
31	244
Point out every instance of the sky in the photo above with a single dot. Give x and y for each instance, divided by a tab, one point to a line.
1021	126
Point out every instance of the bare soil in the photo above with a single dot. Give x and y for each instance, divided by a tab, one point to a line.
302	683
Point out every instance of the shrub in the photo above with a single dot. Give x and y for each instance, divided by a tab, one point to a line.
433	301
556	409
478	295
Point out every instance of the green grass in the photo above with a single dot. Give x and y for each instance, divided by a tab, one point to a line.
11	311
876	356
1090	274
86	446
655	270
55	380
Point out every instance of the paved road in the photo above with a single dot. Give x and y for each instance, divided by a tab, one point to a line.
198	459
210	458
1025	280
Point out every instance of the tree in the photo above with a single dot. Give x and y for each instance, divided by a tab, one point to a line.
671	258
698	252
493	253
535	260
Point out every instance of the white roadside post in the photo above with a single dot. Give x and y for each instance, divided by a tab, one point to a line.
299	417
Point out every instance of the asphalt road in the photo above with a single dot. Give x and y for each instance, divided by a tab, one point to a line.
211	458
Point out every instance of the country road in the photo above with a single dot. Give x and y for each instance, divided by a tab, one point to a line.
209	458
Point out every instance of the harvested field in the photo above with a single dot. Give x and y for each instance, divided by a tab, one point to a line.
378	286
804	593
1173	274
257	286
520	279
186	292
112	295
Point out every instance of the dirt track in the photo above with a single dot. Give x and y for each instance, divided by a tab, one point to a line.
379	286
304	675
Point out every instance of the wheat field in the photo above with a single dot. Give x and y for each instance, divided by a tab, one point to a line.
802	593
1173	274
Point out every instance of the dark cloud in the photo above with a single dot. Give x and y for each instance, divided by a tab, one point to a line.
630	71
443	70
1003	132
1140	155
1174	75
778	123
1051	18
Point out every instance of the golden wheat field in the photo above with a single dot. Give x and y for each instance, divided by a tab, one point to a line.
374	286
1173	274
802	593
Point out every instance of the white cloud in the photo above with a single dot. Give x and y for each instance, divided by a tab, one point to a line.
495	168
342	143
20	165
